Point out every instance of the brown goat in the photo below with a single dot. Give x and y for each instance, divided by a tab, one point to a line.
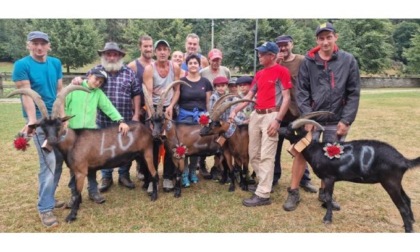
236	145
179	135
92	149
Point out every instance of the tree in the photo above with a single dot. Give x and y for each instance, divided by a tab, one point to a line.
403	32
74	41
412	54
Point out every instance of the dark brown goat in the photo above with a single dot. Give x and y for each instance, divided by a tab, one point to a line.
236	145
360	161
178	134
92	149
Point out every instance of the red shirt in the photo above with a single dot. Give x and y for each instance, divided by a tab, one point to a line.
268	84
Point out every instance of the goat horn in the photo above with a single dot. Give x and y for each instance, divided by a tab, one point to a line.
61	96
35	97
300	122
220	101
219	111
159	108
147	100
315	114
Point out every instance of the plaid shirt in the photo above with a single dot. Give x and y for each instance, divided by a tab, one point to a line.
120	89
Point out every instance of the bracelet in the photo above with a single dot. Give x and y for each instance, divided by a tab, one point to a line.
121	121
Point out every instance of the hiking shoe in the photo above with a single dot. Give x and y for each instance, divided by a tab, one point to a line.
321	197
293	199
126	181
48	219
96	197
106	184
168	185
256	200
308	187
59	204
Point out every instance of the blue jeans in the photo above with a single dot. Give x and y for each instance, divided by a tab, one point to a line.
92	183
50	168
123	171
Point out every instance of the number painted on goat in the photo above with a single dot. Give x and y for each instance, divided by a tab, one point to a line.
347	158
122	146
367	154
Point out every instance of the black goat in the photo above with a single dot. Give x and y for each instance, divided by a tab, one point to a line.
359	161
92	149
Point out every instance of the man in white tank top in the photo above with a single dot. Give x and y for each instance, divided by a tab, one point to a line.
156	77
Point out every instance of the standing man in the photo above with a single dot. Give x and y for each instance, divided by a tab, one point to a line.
291	61
43	74
123	89
272	87
145	44
328	80
157	76
215	68
192	46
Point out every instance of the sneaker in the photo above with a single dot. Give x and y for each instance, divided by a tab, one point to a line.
193	178
59	204
185	181
308	187
293	199
168	185
48	219
256	200
97	197
321	197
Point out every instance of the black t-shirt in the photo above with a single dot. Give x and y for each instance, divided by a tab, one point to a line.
194	96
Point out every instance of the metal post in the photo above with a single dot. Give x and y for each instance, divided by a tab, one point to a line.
212	33
255	45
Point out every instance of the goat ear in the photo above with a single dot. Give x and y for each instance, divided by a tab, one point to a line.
66	118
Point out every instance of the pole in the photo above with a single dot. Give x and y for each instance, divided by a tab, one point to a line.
212	33
255	45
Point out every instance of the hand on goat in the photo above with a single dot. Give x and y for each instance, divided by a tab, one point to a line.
342	129
123	128
168	112
77	80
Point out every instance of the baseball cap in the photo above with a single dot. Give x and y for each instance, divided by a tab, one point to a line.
161	41
215	53
324	27
99	73
268	47
284	39
220	80
232	81
244	80
38	35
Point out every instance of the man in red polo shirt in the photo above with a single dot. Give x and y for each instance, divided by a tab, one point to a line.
272	86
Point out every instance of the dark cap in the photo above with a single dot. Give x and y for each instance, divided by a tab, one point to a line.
99	73
111	46
324	27
220	80
284	39
244	80
38	35
268	47
162	41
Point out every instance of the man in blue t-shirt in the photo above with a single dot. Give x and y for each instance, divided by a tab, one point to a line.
43	74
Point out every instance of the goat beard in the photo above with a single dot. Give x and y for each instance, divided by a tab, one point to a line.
112	67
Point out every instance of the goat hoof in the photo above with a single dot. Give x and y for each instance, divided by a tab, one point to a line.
231	189
153	197
177	195
70	219
327	222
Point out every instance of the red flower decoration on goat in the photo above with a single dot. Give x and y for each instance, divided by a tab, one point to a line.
180	151
21	141
204	119
333	150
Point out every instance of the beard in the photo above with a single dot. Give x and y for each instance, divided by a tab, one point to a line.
112	67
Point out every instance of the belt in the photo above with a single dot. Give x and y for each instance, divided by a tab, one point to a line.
266	111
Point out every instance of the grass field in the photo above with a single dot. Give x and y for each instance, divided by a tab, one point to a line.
391	115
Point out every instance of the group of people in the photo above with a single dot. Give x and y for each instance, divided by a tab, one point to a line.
289	85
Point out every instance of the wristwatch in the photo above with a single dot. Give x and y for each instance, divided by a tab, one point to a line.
121	121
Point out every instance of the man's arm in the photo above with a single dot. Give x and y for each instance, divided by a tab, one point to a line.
148	82
175	97
28	105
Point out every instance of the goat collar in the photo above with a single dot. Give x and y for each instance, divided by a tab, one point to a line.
230	131
298	147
